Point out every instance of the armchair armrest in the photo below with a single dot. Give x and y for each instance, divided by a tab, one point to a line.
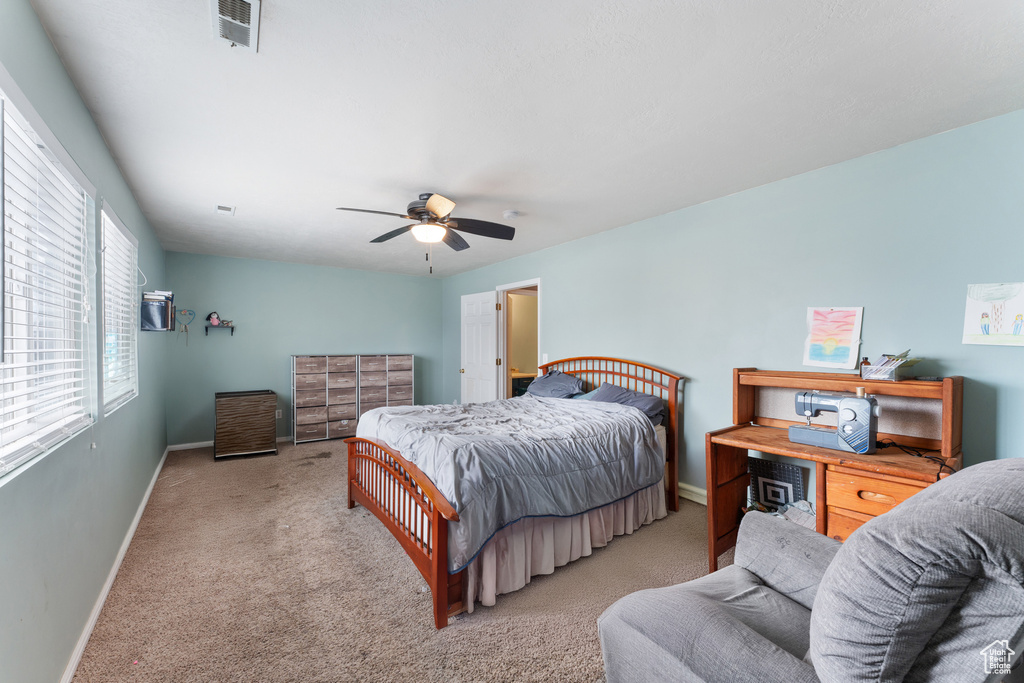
787	557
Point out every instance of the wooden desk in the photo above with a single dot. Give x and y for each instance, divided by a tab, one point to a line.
850	488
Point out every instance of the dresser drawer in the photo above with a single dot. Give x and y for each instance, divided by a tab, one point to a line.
336	396
399	363
341	380
866	494
345	411
373	363
397	394
306	416
400	377
341	363
318	381
307	432
373	379
305	399
363	407
373	394
305	365
341	428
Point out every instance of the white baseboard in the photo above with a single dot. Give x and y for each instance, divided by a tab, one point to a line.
83	640
187	446
208	444
693	493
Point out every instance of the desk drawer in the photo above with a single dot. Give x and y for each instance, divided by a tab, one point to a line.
866	494
842	523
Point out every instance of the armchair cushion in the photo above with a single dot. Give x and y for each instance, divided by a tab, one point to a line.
787	557
686	632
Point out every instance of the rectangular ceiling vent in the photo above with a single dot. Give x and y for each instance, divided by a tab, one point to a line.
237	21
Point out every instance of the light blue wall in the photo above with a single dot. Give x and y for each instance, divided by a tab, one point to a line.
64	517
281	309
727	283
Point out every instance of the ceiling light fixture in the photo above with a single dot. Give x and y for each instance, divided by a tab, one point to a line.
429	232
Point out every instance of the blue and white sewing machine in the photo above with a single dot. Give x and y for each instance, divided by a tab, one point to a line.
857	428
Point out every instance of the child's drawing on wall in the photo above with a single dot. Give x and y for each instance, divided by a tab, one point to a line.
995	314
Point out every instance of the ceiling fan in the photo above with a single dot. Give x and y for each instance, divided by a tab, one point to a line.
436	224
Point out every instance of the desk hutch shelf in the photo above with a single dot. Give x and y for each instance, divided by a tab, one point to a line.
850	488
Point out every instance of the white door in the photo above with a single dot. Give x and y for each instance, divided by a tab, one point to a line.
479	347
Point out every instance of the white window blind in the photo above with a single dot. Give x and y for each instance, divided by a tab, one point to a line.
43	384
120	313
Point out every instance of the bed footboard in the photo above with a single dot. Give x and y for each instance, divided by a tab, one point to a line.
413	510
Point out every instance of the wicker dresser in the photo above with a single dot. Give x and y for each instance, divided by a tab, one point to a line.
329	393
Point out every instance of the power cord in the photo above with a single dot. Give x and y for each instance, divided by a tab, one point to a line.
886	443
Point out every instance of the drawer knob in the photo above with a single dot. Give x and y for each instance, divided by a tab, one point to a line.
876	497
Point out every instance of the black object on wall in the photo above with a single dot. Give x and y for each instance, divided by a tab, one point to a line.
157	316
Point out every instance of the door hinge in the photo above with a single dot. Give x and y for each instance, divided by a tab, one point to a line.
497	361
497	307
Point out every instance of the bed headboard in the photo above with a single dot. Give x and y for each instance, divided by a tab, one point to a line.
595	370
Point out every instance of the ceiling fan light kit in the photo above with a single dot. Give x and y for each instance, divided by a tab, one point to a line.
429	232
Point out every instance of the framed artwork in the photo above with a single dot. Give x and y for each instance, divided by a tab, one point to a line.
833	337
994	314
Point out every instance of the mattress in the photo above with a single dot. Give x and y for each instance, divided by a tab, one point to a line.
503	461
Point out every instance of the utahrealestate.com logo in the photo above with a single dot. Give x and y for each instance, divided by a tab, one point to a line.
998	656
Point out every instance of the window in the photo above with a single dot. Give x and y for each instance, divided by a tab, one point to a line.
44	395
120	313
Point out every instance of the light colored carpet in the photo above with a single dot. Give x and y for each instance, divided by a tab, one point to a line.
253	569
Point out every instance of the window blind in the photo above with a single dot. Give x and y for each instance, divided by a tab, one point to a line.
43	386
120	314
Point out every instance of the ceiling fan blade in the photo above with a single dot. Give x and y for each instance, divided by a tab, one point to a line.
440	206
455	240
483	228
394	233
382	213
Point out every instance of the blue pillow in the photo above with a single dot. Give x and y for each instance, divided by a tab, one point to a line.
555	384
652	406
587	396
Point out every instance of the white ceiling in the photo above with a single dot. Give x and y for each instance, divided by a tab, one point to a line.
582	115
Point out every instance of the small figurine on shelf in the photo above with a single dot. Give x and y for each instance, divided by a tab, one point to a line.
213	319
226	323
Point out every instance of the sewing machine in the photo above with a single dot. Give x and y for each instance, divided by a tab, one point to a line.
857	428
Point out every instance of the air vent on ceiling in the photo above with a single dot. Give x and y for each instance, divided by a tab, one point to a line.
237	21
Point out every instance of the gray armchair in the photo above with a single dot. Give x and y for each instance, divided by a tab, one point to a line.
931	591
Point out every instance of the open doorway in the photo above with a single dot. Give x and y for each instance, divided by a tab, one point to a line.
520	321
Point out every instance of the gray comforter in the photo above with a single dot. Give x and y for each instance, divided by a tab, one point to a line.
500	461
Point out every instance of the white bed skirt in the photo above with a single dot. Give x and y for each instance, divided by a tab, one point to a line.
538	545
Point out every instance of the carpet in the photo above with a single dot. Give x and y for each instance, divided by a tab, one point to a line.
253	569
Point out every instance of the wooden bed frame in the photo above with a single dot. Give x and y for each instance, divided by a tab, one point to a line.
417	514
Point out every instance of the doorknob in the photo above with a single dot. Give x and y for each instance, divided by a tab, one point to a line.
461	370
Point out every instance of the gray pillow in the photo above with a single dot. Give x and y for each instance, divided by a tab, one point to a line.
555	384
652	406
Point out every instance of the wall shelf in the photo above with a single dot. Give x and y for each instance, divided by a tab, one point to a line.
220	327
